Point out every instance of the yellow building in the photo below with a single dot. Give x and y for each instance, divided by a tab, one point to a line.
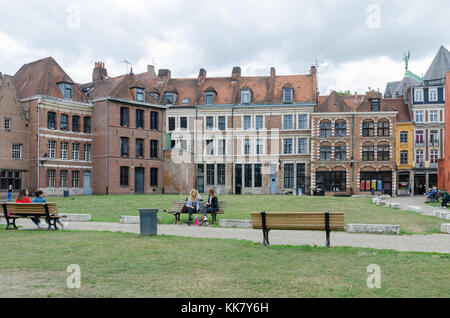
405	156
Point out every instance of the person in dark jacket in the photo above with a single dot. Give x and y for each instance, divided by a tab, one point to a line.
212	206
445	200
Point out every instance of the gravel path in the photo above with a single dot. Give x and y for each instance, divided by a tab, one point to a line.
439	243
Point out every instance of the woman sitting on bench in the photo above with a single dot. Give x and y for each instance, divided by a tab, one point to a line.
212	206
23	198
193	204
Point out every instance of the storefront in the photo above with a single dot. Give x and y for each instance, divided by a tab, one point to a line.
404	186
377	181
332	181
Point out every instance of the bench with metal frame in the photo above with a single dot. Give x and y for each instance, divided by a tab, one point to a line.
176	206
314	221
48	211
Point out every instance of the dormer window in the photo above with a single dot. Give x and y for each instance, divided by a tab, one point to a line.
155	96
210	98
139	94
169	99
288	95
66	90
246	96
375	105
186	101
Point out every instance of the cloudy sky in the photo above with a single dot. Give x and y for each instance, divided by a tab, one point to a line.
358	44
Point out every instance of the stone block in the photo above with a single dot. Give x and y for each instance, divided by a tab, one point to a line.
394	206
242	224
373	228
78	217
441	214
414	209
445	228
133	219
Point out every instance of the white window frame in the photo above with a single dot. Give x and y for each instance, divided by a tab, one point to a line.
206	147
298	148
249	147
298	121
76	151
284	117
292	146
285	101
246	92
435	116
64	151
263	122
206	121
75	181
416	91
417	113
63	181
243	122
17	151
435	91
222	151
51	178
51	151
8	124
87	150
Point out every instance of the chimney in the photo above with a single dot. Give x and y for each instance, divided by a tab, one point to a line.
202	74
1	78
273	72
236	73
313	70
164	75
151	70
100	73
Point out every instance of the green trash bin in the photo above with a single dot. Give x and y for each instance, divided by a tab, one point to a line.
149	222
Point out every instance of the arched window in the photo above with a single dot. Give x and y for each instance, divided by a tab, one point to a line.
325	152
383	128
368	153
325	129
368	128
383	152
340	152
340	129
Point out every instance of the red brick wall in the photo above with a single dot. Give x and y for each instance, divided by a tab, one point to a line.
445	178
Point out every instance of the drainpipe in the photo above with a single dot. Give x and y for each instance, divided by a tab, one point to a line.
107	147
233	186
353	154
163	139
38	141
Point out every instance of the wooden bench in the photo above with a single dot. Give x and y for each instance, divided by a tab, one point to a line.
315	221
14	211
176	206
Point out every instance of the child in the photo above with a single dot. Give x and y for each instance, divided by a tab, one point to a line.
40	199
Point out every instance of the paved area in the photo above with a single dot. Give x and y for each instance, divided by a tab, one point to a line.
418	201
439	243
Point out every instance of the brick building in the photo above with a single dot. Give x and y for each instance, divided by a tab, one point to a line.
353	144
444	164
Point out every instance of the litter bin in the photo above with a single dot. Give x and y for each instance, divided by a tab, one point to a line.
66	193
149	222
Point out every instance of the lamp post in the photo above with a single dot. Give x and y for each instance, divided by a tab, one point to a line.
42	164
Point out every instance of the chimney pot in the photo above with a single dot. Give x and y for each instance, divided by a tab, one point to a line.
236	72
202	74
273	72
164	75
99	73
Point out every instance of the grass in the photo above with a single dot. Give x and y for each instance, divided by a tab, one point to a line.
127	265
357	210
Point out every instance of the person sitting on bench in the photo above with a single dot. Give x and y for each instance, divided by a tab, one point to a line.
40	199
24	199
212	206
193	204
445	200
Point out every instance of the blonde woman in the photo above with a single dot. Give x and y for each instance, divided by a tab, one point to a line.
193	204
212	206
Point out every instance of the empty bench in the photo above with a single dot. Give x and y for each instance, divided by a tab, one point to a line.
313	221
48	211
176	206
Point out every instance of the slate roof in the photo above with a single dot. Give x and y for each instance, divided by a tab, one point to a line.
440	65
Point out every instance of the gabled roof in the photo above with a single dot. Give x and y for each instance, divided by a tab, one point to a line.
440	65
41	77
398	89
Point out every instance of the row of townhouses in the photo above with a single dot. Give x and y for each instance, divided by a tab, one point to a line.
151	133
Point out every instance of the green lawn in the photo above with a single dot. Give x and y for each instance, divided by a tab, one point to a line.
357	210
127	265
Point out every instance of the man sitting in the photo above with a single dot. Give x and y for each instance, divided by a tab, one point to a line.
445	200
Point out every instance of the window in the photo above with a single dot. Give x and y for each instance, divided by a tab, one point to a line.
245	96
140	95
87	152
289	176
434	114
220	174
434	156
76	124
340	129
222	147
258	176
368	153
87	125
404	156
383	128
404	137
376	181
210	174
172	123
17	152
209	98
210	147
155	96
222	123
7	123
64	122
302	122
419	117
209	123
302	146
124	117
124	147
247	147
154	149
340	152
64	151
287	149
186	101
288	122
420	159
259	122
139	148
434	138
325	153
51	178
375	105
334	181
247	122
301	176
154	177
169	99
63	175
368	128
140	118
433	96
288	94
259	146
248	176
51	149
66	90
183	123
154	121
325	129
76	151
419	138
418	95
124	176
383	153
51	120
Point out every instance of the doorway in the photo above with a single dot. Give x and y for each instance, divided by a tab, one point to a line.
87	183
273	179
139	180
238	179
